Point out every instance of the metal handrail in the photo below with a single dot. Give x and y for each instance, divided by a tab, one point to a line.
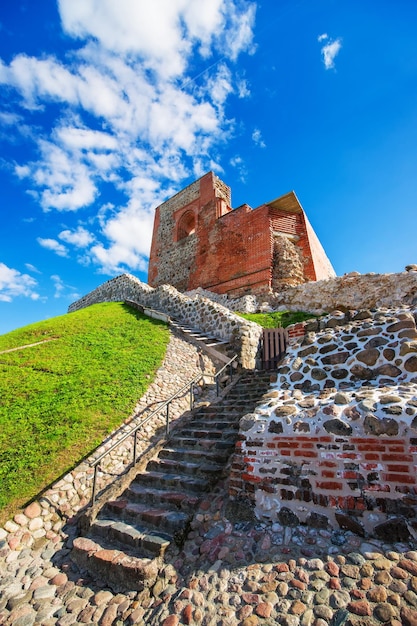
216	376
165	404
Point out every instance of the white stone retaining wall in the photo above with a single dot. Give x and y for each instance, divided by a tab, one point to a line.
196	311
336	437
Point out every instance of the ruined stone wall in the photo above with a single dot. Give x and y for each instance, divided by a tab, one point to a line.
335	440
287	266
351	291
197	312
173	261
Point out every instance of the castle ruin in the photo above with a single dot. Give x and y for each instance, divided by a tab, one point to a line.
200	241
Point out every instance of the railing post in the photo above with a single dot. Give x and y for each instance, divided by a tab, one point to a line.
217	386
93	495
191	396
167	422
135	445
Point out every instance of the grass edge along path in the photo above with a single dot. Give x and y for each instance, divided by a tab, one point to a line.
60	399
277	319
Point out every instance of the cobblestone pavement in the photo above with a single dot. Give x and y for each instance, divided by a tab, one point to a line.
228	573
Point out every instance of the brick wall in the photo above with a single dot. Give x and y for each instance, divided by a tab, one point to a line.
360	478
231	251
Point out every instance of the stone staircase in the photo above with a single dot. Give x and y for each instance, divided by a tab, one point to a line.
211	344
126	543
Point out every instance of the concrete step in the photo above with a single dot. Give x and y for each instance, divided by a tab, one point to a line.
206	432
215	424
203	444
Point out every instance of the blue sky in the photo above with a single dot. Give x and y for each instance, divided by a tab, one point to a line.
108	108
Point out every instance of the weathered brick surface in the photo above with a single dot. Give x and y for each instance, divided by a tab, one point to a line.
199	241
336	438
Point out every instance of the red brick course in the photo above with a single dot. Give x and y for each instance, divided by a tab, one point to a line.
362	485
231	251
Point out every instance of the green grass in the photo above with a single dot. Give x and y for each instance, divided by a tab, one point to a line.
277	318
58	400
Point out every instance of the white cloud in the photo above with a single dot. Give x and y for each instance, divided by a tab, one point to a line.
62	289
129	233
52	244
129	112
162	32
243	90
239	164
323	37
58	284
13	283
329	53
257	138
32	268
80	237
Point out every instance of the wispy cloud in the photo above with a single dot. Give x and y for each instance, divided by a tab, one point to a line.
61	289
13	283
32	268
128	111
239	164
257	138
330	50
53	245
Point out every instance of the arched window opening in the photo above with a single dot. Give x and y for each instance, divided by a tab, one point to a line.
186	225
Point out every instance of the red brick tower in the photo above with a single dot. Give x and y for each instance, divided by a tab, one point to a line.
199	241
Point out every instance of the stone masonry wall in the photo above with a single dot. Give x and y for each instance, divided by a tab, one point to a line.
197	312
335	440
351	291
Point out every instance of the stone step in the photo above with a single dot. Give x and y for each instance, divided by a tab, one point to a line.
213	424
191	454
182	466
213	411
127	542
152	495
208	339
142	541
204	444
118	568
208	433
176	481
169	521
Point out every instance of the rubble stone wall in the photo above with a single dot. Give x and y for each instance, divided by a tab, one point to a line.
351	291
196	311
335	440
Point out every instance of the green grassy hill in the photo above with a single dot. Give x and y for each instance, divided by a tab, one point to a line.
61	397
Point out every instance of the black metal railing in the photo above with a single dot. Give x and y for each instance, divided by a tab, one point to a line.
164	405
